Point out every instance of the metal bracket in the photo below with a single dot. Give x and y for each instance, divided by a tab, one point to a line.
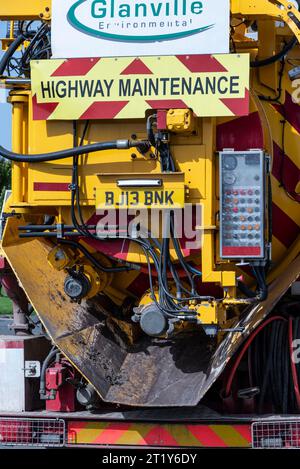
32	369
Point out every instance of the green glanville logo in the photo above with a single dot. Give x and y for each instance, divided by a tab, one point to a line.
139	20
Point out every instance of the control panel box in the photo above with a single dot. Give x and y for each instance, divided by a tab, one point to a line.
242	204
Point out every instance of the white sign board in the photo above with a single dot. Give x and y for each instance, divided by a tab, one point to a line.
119	28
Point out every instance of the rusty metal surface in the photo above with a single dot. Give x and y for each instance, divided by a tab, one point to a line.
153	373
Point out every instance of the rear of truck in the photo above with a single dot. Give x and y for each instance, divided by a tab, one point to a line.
153	223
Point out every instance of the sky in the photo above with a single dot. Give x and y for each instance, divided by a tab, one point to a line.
5	109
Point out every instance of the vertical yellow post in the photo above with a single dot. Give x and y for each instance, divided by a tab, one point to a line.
17	146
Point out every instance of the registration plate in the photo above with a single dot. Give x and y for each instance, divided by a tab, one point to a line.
171	194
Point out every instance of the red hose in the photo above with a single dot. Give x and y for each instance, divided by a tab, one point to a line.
293	364
244	350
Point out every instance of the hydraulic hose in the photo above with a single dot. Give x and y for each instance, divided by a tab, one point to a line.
279	55
244	350
70	152
293	364
246	290
276	57
92	259
262	290
10	51
46	362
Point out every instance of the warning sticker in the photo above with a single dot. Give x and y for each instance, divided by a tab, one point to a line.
124	88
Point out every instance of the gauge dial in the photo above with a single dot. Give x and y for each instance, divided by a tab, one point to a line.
230	162
229	178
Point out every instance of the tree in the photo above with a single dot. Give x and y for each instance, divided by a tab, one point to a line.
5	179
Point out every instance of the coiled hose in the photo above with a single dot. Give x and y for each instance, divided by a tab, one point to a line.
273	365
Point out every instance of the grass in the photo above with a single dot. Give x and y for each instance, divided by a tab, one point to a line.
5	304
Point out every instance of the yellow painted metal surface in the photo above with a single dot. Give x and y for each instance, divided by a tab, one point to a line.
43	188
180	120
281	10
31	10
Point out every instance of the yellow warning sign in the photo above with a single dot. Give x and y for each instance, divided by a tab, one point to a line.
126	87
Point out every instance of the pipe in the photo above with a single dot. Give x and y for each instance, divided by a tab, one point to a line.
91	258
10	51
293	365
47	234
276	57
52	227
53	352
70	152
17	144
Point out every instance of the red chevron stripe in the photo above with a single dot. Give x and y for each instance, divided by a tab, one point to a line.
284	228
112	433
159	436
290	111
238	106
104	110
285	171
167	104
201	63
206	436
75	67
137	67
244	431
42	111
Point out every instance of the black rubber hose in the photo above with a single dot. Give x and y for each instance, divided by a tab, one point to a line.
46	362
91	258
280	55
286	371
245	289
262	291
70	152
297	336
10	52
276	57
264	389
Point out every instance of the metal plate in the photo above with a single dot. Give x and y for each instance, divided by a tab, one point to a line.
37	432
118	191
278	434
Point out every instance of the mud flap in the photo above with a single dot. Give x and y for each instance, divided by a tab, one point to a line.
153	373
